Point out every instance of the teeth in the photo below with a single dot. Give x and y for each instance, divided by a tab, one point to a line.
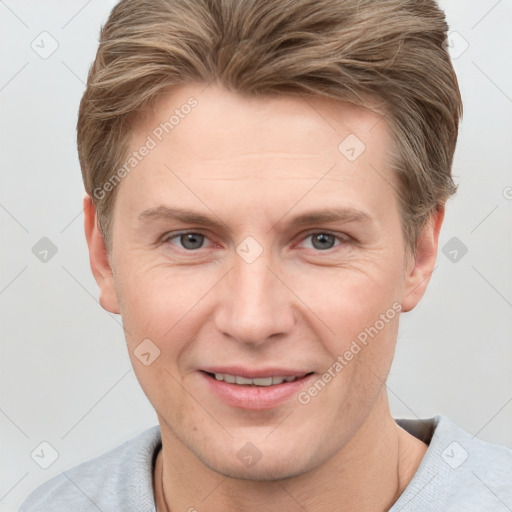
264	381
243	380
261	381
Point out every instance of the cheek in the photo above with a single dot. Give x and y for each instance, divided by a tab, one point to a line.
360	307
163	313
349	299
358	370
158	314
158	303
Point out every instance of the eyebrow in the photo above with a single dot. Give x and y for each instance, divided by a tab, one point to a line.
326	215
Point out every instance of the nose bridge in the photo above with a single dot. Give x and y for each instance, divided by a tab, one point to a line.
255	304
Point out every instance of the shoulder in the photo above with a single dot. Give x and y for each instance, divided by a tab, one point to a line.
120	479
458	472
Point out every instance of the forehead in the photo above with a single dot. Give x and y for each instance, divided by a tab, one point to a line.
214	143
223	121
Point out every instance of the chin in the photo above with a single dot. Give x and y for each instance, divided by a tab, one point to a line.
268	471
268	463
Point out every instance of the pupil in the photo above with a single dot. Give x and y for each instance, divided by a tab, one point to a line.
192	240
325	241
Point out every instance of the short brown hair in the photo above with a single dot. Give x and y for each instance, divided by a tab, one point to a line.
350	50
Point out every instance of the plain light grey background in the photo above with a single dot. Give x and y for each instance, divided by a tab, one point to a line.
65	375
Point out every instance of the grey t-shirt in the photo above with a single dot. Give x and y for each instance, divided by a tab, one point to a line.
457	473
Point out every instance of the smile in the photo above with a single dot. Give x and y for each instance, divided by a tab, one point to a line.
255	392
243	381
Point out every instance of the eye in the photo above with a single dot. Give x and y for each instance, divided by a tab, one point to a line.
323	241
189	240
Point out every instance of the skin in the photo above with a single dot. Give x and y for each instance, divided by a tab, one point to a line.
253	164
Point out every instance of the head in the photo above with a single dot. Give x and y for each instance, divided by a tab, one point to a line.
256	114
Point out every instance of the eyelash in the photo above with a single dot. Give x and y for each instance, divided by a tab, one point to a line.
341	239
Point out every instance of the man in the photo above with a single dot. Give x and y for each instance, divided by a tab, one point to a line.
266	183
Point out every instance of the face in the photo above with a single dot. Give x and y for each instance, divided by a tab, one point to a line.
259	238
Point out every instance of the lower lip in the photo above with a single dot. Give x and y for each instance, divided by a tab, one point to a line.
255	397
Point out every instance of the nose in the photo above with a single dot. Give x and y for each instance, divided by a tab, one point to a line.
255	303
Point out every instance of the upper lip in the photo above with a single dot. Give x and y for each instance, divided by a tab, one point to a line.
255	373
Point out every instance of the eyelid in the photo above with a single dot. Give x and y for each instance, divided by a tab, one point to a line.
173	234
341	236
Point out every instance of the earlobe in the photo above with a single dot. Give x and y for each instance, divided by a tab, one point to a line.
421	266
99	259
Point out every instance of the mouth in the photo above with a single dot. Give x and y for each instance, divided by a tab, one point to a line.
255	393
258	381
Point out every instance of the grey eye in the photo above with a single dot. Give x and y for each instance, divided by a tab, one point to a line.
323	241
192	241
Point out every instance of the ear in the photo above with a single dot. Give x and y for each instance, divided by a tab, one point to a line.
421	264
99	259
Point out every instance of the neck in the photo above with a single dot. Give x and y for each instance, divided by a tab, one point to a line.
369	473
